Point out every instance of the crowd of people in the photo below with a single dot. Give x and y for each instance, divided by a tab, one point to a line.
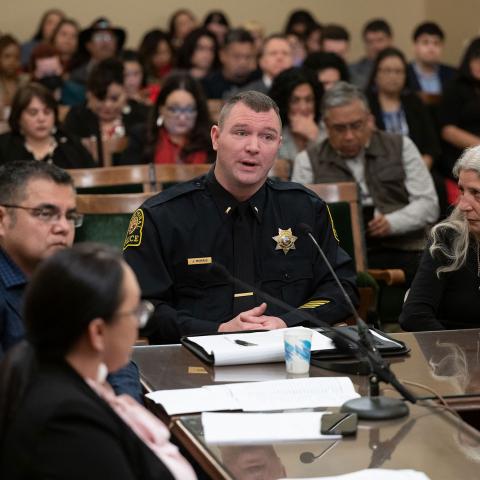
231	96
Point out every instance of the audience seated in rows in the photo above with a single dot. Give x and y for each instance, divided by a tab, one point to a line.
199	53
106	121
238	68
376	35
397	192
426	73
275	57
65	40
328	67
44	32
398	110
99	42
179	129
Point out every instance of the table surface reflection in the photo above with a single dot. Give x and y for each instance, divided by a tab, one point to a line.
429	440
447	362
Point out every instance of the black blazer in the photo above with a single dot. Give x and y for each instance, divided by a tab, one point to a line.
445	72
70	153
420	122
83	123
64	430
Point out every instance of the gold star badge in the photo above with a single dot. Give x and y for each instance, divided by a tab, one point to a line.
285	240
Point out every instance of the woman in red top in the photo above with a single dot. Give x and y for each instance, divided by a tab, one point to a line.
179	130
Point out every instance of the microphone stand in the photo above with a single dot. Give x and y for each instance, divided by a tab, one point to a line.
375	406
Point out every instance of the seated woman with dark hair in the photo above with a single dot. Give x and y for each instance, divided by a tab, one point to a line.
179	130
445	291
58	417
106	121
298	94
329	68
396	109
198	53
36	135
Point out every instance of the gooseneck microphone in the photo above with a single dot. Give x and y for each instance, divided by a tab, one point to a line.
375	406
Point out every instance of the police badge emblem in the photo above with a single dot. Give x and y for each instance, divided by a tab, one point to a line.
285	240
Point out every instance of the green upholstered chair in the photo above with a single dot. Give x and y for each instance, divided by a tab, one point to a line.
343	201
107	216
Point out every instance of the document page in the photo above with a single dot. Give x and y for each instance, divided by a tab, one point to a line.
293	393
192	400
256	347
247	428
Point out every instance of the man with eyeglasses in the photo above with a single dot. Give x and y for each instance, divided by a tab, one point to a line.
396	190
38	217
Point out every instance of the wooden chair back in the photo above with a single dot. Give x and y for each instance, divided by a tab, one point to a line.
346	192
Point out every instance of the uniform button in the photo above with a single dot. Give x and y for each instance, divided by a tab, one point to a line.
286	276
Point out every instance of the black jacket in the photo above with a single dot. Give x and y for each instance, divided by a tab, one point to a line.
194	221
420	123
64	430
83	123
69	153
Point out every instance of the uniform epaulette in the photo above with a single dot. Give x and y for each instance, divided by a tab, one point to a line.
176	191
282	185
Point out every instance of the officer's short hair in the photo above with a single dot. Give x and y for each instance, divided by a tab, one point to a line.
257	101
342	93
14	177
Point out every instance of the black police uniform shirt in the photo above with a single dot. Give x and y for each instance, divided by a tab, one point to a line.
174	238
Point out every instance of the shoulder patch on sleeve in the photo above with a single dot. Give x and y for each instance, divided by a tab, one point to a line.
135	230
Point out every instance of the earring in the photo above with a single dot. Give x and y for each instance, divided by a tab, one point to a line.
102	373
159	121
54	130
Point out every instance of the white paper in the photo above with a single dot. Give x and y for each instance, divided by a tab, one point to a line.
258	428
385	339
268	346
191	400
374	474
258	396
293	393
249	373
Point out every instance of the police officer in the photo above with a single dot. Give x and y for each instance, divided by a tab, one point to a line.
237	218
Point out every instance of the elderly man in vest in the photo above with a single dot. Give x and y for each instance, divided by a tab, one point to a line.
397	193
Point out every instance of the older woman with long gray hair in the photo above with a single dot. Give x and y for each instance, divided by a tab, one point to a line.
445	293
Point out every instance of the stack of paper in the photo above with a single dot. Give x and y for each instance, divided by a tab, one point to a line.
258	428
257	347
258	396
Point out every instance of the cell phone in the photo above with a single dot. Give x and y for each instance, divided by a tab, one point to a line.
339	424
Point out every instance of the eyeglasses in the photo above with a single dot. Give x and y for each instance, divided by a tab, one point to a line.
176	110
50	214
102	37
391	71
143	313
342	128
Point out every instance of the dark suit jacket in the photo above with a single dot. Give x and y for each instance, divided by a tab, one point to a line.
63	430
445	72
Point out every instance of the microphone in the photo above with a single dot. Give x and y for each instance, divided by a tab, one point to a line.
376	406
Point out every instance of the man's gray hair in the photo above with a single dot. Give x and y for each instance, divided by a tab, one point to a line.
341	94
256	101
